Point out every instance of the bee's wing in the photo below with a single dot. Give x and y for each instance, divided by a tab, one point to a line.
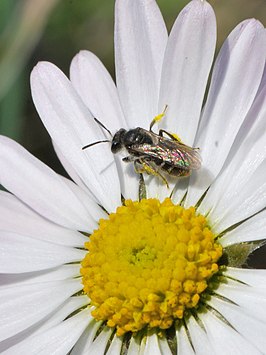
188	154
171	152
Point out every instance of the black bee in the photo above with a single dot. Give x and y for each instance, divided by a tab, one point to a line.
154	153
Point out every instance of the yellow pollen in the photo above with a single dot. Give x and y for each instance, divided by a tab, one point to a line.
148	264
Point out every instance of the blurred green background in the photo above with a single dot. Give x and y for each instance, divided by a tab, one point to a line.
55	30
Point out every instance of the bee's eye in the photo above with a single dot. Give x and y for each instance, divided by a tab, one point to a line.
118	141
116	146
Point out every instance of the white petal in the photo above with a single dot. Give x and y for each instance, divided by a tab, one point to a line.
164	346
250	299
71	171
230	97
252	230
263	81
58	340
224	339
128	182
187	63
134	346
127	176
96	212
99	345
115	346
199	338
152	345
81	190
18	218
238	286
251	329
239	202
140	40
70	306
180	190
23	306
20	254
183	343
71	126
84	342
158	189
59	273
256	278
97	90
248	150
247	153
39	186
129	179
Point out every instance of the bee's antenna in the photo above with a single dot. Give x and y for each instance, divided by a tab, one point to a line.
91	144
103	141
103	126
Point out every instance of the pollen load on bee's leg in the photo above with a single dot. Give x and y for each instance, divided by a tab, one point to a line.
149	168
158	117
138	167
173	136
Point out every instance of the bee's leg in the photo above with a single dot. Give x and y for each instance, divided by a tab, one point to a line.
142	188
158	117
139	170
131	158
150	169
138	167
174	137
128	159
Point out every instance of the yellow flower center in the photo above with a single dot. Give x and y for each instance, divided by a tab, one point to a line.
148	264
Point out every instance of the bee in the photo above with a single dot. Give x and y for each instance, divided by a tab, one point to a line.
152	153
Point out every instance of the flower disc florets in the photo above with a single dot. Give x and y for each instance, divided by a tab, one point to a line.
147	264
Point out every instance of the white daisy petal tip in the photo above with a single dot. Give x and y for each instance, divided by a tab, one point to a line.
71	126
199	7
83	53
97	89
186	68
41	68
253	23
79	58
222	117
253	28
140	40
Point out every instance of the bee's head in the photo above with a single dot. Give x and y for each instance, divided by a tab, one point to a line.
118	141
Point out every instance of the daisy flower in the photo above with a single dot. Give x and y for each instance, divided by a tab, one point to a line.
89	268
